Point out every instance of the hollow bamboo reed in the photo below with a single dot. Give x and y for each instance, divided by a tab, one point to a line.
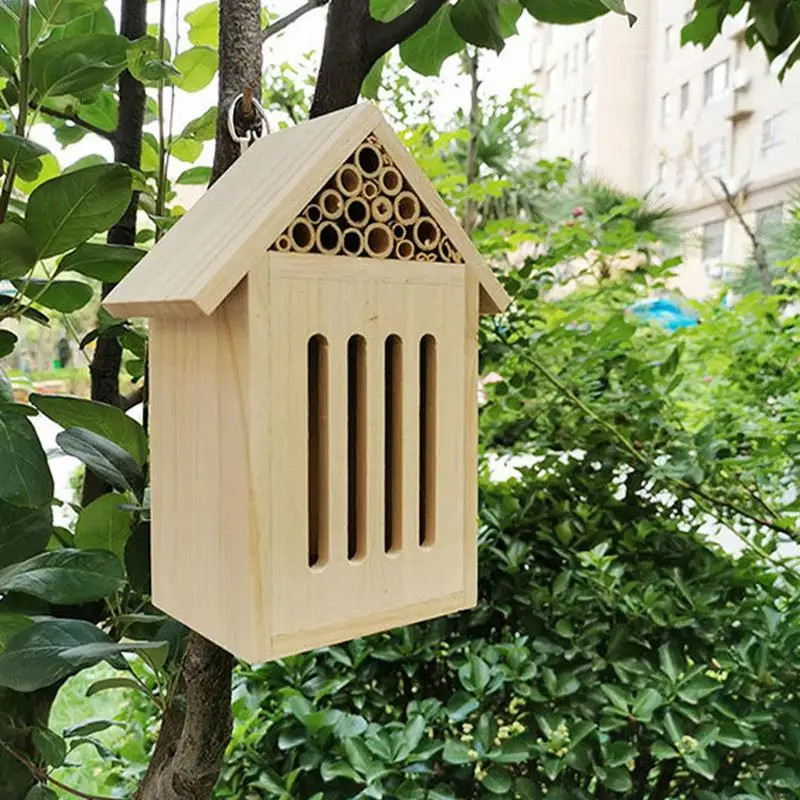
382	209
301	235
405	250
378	240
331	203
368	159
431	256
390	180
445	249
352	241
329	238
313	213
348	180
426	234
421	257
356	212
399	231
370	190
406	208
283	243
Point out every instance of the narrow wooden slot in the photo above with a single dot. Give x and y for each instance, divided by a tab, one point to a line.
427	441
318	490
356	448
393	445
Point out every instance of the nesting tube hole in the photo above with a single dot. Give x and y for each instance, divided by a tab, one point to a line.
378	240
404	250
348	180
356	212
352	242
391	181
369	161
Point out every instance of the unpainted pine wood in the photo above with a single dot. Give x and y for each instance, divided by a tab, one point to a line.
493	297
203	257
203	558
294	297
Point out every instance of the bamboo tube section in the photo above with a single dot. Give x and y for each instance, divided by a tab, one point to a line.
404	250
356	212
313	213
382	209
426	233
421	257
368	159
301	235
352	241
399	231
445	249
331	203
406	208
283	244
378	240
370	190
329	238
390	180
348	180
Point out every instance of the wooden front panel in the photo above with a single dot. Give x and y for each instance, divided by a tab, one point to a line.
323	463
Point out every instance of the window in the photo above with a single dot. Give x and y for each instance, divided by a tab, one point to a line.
680	170
684	99
576	55
566	64
717	80
713	240
551	77
563	118
666	110
583	166
669	41
767	219
712	156
573	110
587	109
588	48
772	132
662	172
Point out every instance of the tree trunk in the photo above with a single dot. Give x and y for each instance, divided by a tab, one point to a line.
197	725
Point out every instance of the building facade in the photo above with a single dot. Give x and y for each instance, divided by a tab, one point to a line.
633	106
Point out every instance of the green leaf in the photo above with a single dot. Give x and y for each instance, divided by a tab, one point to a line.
89	727
33	658
661	750
198	66
25	478
65	576
349	725
559	12
618	7
137	558
186	150
202	128
617	696
478	22
203	24
103	262
107	421
51	747
194	176
23	153
671	660
474	675
461	705
11	625
17	251
427	49
647	701
702	29
372	83
618	780
706	766
100	22
60	12
41	792
698	688
106	459
618	753
63	296
50	168
103	525
455	752
65	211
8	341
70	66
24	532
510	12
106	684
9	25
497	780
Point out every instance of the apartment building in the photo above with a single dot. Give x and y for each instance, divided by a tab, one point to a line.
635	107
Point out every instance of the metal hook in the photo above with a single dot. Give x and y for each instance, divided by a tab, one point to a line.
252	133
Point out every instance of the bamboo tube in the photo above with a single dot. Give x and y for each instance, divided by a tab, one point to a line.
348	180
421	257
399	231
406	208
387	160
391	180
382	209
368	159
404	250
370	190
426	233
445	249
283	244
313	213
301	235
331	204
356	212
329	238
378	240
352	241
431	256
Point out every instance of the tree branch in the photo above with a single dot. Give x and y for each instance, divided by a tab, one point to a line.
388	34
758	249
285	22
128	401
74	118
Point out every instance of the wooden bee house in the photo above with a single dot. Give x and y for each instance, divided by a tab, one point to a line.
313	368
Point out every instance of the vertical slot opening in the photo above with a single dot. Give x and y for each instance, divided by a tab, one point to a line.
356	447
393	445
427	441
317	451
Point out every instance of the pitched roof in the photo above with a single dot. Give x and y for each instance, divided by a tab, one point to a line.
205	255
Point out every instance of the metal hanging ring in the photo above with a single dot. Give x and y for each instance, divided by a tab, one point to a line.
256	131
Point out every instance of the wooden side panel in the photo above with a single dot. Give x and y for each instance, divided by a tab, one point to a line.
204	573
304	296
